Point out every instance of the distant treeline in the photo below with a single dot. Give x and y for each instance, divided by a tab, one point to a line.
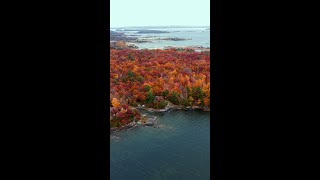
116	36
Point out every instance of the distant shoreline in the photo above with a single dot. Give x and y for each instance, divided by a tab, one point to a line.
141	37
123	27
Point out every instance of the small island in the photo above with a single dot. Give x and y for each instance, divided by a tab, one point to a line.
117	36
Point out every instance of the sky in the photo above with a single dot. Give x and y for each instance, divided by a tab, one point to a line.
159	13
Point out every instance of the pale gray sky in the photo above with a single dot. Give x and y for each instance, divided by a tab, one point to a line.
159	13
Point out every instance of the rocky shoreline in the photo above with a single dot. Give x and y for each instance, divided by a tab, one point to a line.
146	121
175	107
151	120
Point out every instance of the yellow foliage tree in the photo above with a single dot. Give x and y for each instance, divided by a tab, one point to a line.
115	103
191	100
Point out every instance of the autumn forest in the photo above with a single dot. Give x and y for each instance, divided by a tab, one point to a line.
156	79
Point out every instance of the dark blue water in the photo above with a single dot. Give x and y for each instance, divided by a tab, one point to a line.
178	149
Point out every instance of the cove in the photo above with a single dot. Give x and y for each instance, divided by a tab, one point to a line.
178	149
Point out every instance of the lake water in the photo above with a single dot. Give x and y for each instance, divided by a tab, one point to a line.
199	37
178	150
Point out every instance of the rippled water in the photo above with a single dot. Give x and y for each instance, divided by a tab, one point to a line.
178	149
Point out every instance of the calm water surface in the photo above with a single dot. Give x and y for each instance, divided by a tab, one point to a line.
179	149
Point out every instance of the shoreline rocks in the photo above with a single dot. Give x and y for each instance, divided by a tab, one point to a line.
150	121
147	121
175	107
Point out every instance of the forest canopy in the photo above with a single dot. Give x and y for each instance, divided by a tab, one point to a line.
154	78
